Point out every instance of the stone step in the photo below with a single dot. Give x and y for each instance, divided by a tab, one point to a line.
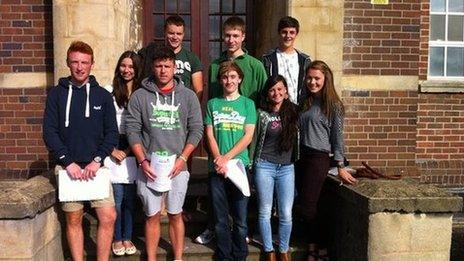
195	223
192	251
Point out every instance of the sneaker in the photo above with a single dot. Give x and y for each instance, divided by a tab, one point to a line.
205	237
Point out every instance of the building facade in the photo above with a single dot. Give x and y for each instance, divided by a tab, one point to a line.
398	66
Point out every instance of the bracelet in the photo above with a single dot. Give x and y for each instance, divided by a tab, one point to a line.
182	157
140	164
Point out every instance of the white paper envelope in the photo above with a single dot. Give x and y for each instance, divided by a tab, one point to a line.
124	173
83	190
162	166
237	174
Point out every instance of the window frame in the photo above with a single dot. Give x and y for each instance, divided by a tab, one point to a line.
444	43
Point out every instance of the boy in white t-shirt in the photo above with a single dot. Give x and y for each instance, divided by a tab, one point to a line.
288	61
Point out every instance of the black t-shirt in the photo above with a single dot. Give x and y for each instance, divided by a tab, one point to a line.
270	151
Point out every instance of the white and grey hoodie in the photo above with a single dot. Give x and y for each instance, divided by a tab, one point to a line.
163	123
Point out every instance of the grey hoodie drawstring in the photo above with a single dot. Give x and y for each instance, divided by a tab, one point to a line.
68	103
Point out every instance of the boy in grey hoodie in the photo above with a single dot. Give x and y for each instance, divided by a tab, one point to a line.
164	117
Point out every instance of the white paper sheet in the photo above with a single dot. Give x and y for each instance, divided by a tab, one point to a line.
124	173
162	166
82	190
237	174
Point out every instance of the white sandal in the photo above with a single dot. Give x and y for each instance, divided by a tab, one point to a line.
131	250
118	252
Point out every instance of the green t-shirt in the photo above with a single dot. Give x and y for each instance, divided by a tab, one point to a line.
187	63
253	80
228	119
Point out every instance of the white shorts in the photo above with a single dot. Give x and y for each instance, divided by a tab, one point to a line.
152	199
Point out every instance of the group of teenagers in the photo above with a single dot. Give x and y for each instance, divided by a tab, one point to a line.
280	116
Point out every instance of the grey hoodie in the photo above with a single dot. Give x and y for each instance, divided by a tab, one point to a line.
163	123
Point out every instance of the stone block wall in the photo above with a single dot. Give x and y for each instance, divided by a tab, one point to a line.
440	138
22	151
381	39
380	128
26	36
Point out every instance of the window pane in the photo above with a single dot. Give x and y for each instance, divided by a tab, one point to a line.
187	27
171	6
186	45
214	27
159	26
437	27
240	6
455	61
437	5
455	23
436	61
184	6
159	6
214	50
213	6
456	6
227	6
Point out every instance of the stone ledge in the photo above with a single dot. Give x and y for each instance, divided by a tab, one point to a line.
441	86
23	199
404	195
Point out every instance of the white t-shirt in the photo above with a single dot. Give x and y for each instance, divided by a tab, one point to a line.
120	112
289	69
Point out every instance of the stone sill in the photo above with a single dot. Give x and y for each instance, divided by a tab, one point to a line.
405	196
437	86
25	199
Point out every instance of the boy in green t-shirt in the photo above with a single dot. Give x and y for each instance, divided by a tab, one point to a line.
230	122
254	73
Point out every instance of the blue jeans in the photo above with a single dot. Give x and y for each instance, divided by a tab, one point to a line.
227	199
124	195
271	178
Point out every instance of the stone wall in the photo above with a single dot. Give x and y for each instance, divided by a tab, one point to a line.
118	30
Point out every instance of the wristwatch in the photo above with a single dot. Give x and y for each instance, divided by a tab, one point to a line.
340	165
97	159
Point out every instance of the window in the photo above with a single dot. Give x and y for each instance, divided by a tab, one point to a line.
446	54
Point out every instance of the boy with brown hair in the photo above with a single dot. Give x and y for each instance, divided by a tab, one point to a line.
253	70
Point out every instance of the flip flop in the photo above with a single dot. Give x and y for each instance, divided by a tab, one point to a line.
118	252
131	250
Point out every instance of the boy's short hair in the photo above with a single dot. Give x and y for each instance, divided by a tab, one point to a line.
79	46
163	53
175	20
288	21
234	22
228	66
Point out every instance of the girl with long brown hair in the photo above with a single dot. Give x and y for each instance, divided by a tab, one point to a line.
321	128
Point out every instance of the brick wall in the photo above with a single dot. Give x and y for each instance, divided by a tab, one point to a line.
22	151
381	39
424	39
26	36
440	138
380	128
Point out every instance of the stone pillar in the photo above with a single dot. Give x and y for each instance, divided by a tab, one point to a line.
321	31
29	225
389	220
109	26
